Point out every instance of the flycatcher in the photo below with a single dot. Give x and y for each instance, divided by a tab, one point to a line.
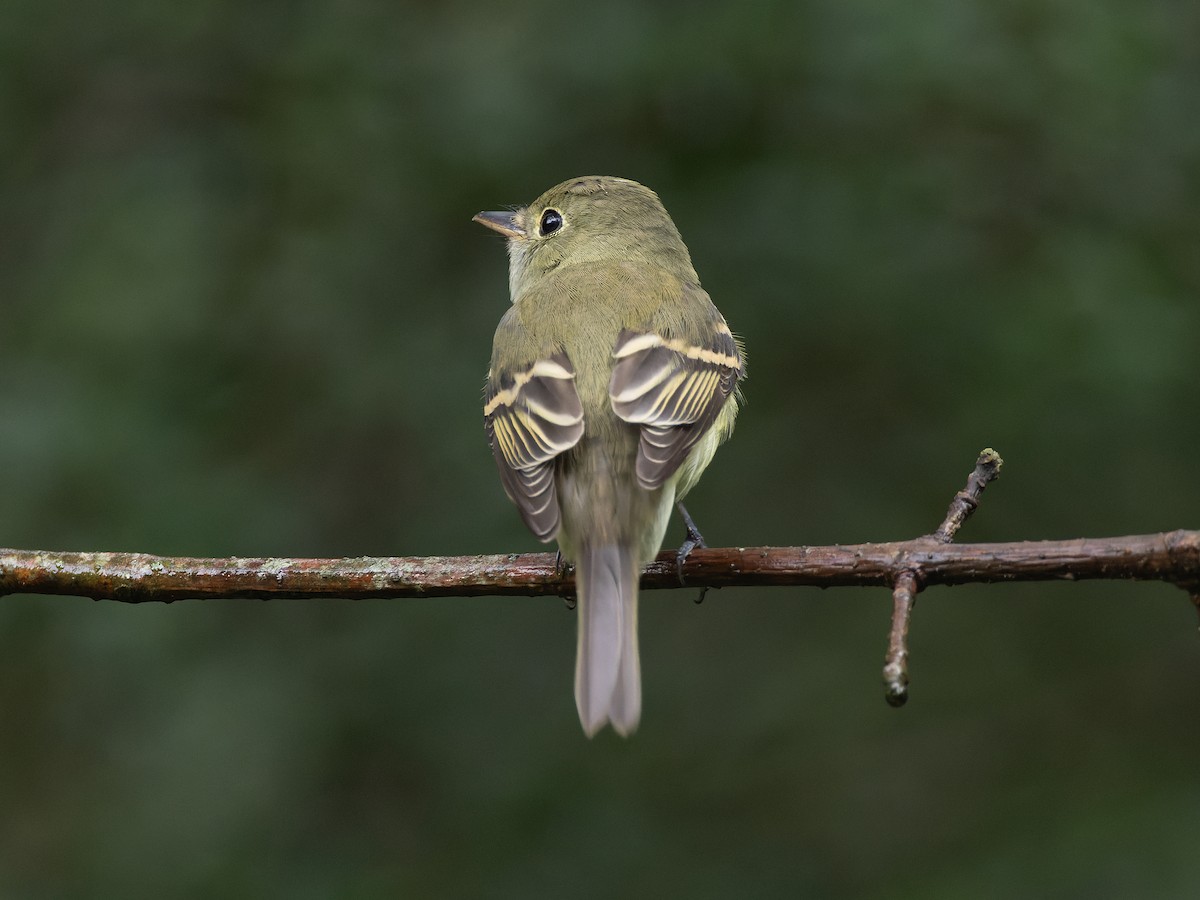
613	380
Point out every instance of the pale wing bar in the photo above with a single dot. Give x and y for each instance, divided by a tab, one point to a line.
531	417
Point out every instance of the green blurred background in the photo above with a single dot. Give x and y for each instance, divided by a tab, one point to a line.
245	312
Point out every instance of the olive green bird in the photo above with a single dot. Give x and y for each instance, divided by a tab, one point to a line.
613	380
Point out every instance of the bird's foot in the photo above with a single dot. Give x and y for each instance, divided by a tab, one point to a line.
563	568
691	541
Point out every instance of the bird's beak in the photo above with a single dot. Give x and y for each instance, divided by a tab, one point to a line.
504	222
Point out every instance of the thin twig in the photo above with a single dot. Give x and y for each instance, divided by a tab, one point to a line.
895	666
966	501
909	581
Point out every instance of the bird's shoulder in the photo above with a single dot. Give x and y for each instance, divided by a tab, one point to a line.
631	293
599	301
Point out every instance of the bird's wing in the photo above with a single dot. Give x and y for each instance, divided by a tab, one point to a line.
674	389
532	416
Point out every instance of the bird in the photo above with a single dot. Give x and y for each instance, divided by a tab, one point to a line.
613	380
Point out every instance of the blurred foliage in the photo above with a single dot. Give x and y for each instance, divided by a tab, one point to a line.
244	311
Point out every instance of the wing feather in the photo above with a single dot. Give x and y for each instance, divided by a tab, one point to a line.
674	390
532	417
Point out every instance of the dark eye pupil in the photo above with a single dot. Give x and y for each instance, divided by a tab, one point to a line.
551	221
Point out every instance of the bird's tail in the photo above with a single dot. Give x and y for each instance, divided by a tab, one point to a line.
608	676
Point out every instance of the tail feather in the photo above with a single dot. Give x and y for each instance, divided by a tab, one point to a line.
608	681
626	709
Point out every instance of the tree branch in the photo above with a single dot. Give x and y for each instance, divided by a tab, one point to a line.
1172	557
907	567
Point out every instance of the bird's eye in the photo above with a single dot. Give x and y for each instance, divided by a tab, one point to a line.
552	220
